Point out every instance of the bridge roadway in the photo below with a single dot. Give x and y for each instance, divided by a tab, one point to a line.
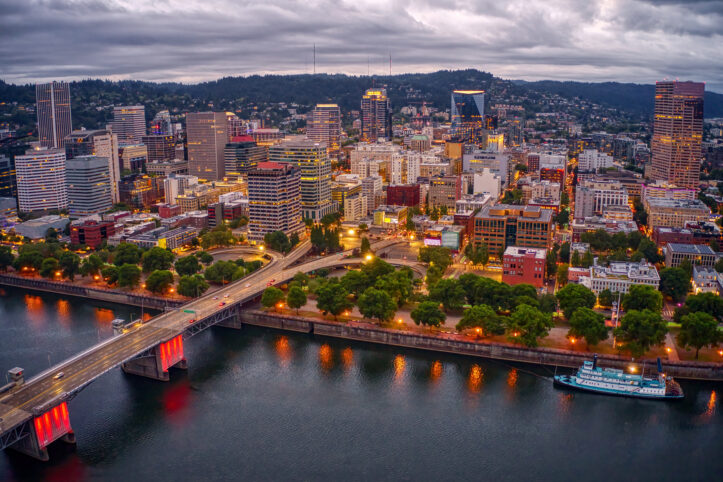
43	391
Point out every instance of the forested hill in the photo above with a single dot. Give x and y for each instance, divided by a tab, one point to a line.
633	98
433	88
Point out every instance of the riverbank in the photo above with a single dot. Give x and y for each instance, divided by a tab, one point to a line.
461	345
100	294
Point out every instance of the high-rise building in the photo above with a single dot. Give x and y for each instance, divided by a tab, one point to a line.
445	191
376	118
241	155
133	157
88	181
207	135
468	115
310	157
102	143
41	180
8	186
161	124
678	133
160	147
325	127
52	103
592	197
129	123
274	199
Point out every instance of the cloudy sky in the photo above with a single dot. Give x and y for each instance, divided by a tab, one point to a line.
195	40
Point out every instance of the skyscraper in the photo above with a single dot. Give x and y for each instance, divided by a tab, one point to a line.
88	181
52	103
243	154
102	143
160	147
678	133
376	115
468	115
274	199
315	166
41	180
129	123
325	126
206	134
8	187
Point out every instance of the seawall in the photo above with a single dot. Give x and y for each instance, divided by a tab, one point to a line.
499	351
70	289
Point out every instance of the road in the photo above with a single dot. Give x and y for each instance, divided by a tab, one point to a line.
80	370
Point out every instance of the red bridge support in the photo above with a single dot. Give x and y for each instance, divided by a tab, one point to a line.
44	430
164	356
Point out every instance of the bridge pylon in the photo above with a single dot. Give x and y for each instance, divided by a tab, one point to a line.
155	362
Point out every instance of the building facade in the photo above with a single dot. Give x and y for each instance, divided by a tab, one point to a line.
524	265
467	113
376	111
506	225
674	213
324	127
52	105
274	199
102	143
40	177
207	135
129	123
677	133
315	167
241	155
697	254
160	148
88	181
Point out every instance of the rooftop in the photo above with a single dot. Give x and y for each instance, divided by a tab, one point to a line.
700	249
537	253
664	202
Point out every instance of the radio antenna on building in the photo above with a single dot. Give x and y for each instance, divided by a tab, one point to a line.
390	63
314	59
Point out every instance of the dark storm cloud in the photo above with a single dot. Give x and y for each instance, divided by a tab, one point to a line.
191	40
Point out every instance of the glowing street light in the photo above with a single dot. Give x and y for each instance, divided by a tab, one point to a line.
368	257
261	247
351	232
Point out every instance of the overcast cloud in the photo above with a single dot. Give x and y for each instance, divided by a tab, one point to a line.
196	40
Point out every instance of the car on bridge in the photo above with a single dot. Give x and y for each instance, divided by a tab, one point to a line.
58	376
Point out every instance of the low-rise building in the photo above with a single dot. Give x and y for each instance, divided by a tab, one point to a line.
38	228
669	212
505	225
390	216
619	276
91	232
594	223
524	265
444	235
697	254
706	280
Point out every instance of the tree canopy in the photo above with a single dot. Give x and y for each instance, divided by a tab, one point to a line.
428	313
639	330
586	323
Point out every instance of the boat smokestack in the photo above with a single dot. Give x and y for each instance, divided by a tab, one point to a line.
594	361
660	366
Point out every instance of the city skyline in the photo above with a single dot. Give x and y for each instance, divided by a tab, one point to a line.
642	41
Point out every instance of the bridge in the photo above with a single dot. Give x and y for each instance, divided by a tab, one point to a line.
34	413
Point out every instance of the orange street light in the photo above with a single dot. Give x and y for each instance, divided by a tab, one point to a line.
368	257
261	247
400	321
351	232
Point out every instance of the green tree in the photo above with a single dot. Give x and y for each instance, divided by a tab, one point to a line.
687	267
6	257
409	225
428	313
221	272
49	268
294	239
449	293
719	265
271	297
585	323
365	246
548	303
374	303
434	274
527	324
110	274
355	282
278	241
482	317
707	303
562	271
562	218
376	268
398	284
296	298
639	330
574	296
674	282
129	275
91	265
575	259
187	266
126	253
301	278
192	286
641	297
698	330
157	259
204	257
159	281
551	263
565	252
69	263
650	250
218	236
436	256
333	298
28	260
605	298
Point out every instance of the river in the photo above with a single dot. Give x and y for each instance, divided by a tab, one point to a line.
260	404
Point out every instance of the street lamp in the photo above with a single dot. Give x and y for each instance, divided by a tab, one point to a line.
368	257
351	232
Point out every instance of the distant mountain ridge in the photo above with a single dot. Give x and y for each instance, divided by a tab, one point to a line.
345	90
638	98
